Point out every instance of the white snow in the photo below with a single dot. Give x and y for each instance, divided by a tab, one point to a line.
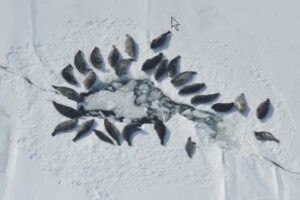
235	46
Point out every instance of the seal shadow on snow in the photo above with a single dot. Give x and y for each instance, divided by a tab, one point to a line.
136	133
167	136
247	110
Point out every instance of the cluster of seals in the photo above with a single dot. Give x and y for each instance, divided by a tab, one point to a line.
162	67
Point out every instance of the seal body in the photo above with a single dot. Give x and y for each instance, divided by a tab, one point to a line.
114	56
190	147
68	74
67	111
65	126
84	128
102	136
130	46
160	40
69	93
113	131
222	107
129	130
96	58
262	109
193	88
160	129
183	78
151	63
173	66
161	69
90	79
265	136
80	62
201	99
240	103
122	66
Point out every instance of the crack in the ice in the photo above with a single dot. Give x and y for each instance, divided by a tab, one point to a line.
3	68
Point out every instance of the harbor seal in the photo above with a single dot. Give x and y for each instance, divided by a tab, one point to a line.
151	63
67	111
84	128
190	147
90	79
160	129
130	46
113	131
173	66
69	93
68	74
114	57
96	58
161	69
202	99
102	136
65	126
222	107
80	62
265	136
160	40
190	89
183	78
241	103
262	109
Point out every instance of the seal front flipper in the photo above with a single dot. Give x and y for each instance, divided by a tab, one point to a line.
84	128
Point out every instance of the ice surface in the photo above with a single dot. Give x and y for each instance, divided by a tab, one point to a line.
139	100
